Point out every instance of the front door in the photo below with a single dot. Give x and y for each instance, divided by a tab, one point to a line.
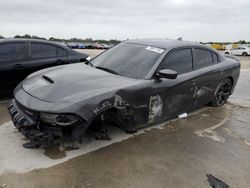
173	97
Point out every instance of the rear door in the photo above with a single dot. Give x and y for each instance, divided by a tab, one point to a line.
236	51
208	75
240	51
43	55
243	50
13	65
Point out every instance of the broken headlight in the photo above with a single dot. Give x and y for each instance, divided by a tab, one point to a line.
59	119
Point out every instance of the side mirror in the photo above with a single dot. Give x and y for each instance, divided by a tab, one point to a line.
88	58
167	73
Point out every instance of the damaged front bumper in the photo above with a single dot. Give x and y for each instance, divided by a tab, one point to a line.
28	123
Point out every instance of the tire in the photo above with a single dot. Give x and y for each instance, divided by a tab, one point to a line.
244	54
222	93
227	53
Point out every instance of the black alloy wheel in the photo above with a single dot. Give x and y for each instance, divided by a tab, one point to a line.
222	93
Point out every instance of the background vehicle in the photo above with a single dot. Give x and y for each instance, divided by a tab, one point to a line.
81	46
21	57
134	84
243	50
106	46
72	45
97	46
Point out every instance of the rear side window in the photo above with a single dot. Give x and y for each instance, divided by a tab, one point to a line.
39	50
215	58
203	58
60	52
12	51
179	61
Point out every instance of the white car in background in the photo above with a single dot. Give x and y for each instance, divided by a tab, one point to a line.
245	51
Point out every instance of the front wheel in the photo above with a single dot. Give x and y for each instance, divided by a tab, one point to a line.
222	93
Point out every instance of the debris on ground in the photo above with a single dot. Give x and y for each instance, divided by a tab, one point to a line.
183	115
102	136
215	182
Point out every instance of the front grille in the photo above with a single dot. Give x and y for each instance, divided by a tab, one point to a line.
19	118
16	116
26	121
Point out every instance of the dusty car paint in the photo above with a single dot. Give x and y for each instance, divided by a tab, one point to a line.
97	96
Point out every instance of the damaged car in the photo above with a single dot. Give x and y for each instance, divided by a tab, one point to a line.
136	83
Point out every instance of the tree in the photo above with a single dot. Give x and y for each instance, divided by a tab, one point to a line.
1	37
24	36
242	42
36	37
17	36
27	36
89	40
114	41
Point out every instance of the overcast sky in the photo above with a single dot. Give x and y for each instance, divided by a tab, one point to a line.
195	20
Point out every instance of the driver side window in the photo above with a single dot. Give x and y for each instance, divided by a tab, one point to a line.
180	60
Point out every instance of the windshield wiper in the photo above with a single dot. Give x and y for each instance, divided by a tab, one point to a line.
107	70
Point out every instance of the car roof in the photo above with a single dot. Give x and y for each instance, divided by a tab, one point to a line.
165	43
30	40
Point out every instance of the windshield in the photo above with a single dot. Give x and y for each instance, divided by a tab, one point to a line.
129	60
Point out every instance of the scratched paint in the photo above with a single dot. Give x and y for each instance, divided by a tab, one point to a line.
155	108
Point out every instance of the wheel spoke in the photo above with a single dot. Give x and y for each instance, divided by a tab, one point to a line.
219	99
226	93
223	93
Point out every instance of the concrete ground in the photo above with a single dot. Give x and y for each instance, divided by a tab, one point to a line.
174	154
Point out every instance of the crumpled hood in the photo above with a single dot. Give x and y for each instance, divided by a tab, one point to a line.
72	83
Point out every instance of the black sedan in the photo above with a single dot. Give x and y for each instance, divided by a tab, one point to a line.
134	84
21	57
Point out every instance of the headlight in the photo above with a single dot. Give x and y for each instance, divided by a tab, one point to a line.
59	119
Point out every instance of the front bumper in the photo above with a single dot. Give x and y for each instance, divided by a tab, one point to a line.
27	122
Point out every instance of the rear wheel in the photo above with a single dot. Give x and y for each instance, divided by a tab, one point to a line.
227	53
222	93
244	54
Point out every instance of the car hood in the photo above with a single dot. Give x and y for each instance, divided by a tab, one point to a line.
71	83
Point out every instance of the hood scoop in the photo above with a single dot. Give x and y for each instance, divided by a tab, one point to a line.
48	79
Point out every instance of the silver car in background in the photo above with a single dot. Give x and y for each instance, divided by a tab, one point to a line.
243	50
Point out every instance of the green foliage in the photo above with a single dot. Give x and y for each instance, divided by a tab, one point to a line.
1	37
27	36
242	42
57	39
114	41
87	40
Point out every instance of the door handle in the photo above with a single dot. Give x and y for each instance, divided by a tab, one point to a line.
18	66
